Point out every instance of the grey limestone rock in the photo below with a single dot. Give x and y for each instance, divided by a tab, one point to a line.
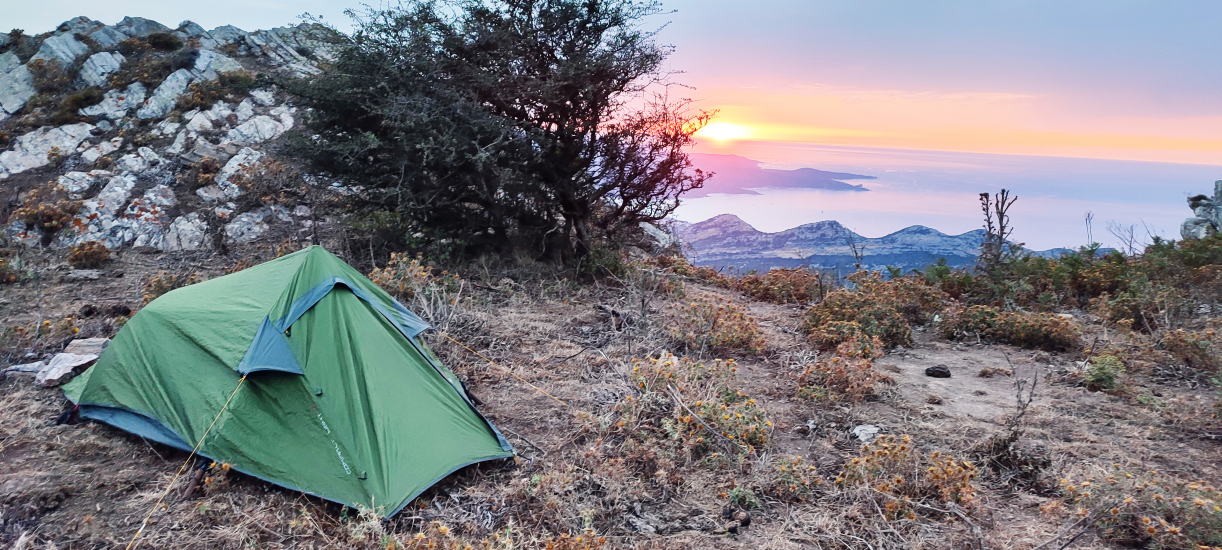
107	37
98	66
16	87
185	233
245	110
8	61
116	103
246	159
79	24
209	63
79	182
63	47
227	34
30	149
1207	215
246	227
192	31
263	97
166	95
92	154
258	129
139	27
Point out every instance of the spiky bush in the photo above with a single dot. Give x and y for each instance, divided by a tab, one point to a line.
1026	330
894	468
1144	509
712	322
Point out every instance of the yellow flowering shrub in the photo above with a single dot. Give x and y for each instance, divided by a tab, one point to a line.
715	417
892	466
164	282
709	321
1043	331
1144	509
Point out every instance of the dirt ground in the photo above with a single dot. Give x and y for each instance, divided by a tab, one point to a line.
89	486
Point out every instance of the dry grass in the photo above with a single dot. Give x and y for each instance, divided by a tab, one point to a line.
641	454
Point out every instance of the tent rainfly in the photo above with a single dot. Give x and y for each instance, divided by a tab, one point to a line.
343	399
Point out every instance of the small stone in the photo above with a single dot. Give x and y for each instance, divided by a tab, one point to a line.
939	371
865	432
83	275
62	367
26	368
87	346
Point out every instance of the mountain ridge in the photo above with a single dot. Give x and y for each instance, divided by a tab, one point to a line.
725	241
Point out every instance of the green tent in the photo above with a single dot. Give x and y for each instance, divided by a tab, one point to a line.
343	399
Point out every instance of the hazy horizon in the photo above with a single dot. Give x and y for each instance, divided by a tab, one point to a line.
940	189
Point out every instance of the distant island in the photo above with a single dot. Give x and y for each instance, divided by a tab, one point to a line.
737	175
727	241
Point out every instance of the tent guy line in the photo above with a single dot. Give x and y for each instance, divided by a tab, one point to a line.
511	373
131	545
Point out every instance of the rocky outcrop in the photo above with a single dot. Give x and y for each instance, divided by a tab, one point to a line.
131	163
115	104
98	66
139	27
166	95
1207	215
63	47
16	85
31	149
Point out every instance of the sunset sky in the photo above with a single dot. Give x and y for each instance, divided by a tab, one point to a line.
1121	79
1104	79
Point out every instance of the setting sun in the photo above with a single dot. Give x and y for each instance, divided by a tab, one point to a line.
723	131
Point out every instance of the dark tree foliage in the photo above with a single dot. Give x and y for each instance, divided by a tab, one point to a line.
503	124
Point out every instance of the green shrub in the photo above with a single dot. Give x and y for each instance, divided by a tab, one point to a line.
1104	372
164	41
69	108
1026	330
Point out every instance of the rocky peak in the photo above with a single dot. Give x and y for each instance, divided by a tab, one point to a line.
130	154
1207	215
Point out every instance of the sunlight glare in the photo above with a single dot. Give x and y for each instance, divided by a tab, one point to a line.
723	131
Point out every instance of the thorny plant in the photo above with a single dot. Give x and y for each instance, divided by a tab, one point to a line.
164	282
848	375
892	467
1146	509
436	297
688	411
1043	331
710	322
